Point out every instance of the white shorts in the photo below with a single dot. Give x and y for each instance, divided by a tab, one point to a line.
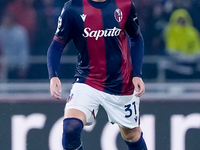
122	110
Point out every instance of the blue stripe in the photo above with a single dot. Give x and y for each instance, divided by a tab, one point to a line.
82	69
113	52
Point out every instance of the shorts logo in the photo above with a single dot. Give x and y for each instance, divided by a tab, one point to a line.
118	15
70	98
135	119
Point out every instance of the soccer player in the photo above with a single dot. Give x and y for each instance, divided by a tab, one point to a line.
110	48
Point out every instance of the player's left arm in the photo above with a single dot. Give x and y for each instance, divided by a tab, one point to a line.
136	50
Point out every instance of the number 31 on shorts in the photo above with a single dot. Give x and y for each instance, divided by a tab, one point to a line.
129	109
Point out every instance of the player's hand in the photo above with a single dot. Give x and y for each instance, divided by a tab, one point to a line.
55	88
139	86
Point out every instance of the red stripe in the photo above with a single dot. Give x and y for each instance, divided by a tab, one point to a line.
59	40
126	70
96	48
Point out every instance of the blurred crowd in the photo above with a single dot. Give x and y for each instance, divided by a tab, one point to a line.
169	27
26	28
155	16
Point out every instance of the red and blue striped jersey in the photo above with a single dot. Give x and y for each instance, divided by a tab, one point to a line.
101	33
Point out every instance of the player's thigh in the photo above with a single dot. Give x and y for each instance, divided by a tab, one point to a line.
123	110
82	103
75	113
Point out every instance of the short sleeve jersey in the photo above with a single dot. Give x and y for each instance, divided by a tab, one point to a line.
100	33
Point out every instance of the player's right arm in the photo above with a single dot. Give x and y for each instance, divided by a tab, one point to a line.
62	37
55	88
53	60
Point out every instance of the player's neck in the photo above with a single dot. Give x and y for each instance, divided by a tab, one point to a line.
99	0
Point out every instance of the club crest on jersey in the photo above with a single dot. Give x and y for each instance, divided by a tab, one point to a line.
118	15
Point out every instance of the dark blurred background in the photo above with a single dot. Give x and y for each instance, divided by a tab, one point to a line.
171	47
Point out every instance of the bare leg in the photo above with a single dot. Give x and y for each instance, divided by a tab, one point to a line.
75	113
131	135
133	138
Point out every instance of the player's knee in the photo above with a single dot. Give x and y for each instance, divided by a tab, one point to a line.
139	144
72	128
132	136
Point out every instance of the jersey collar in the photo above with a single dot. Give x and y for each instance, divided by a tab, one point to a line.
98	4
